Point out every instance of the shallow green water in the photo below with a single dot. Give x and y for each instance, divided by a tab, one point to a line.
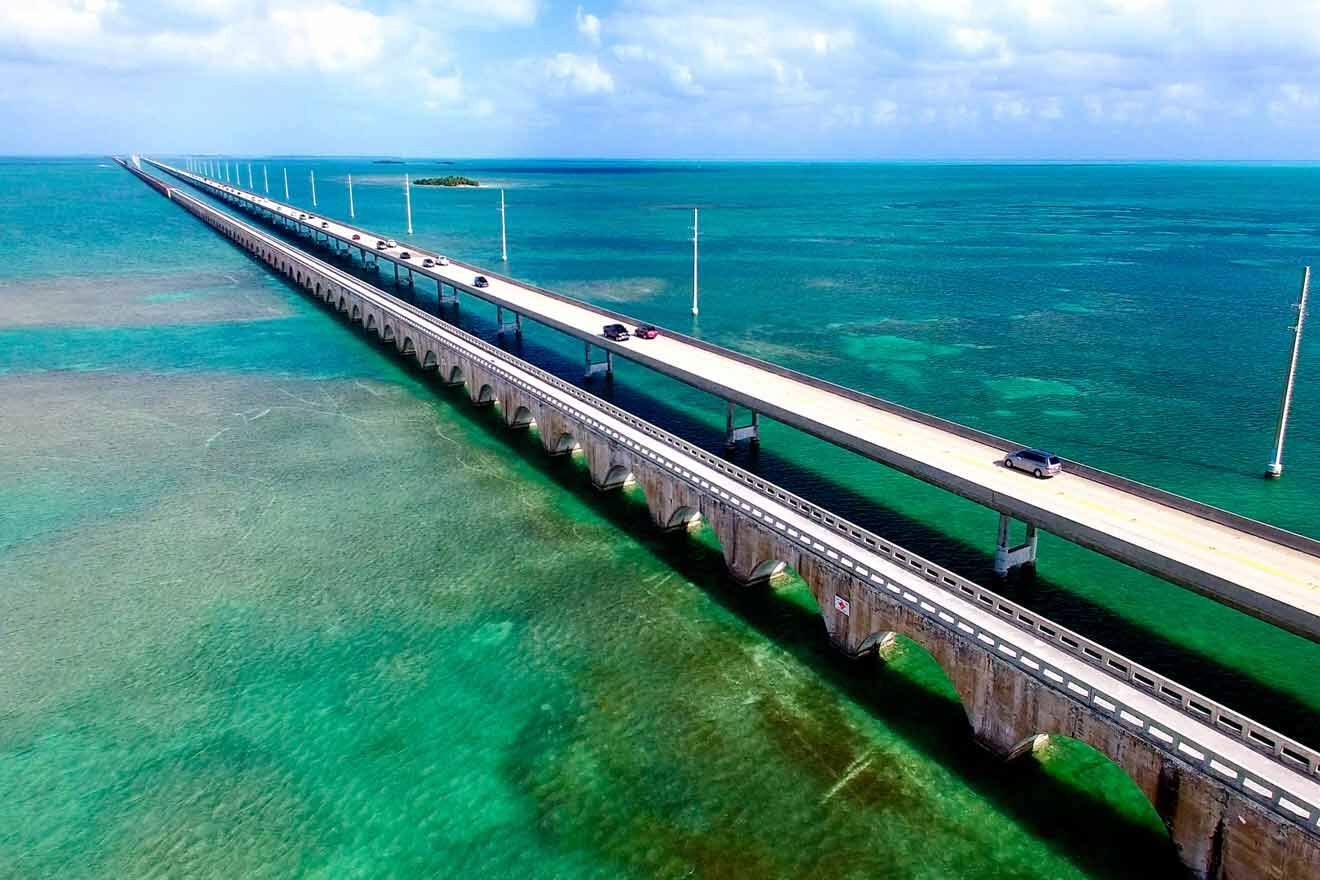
273	605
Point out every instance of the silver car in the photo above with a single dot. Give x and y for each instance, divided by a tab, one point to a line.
1037	462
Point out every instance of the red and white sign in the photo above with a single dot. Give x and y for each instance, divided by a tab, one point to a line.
841	605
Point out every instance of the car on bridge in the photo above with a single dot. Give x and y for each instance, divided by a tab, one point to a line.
325	224
405	256
427	262
646	331
442	260
480	281
616	332
1039	463
357	237
391	243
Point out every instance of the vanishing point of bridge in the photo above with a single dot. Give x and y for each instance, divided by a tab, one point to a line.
1239	800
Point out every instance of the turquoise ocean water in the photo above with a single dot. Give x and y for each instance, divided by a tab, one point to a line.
274	604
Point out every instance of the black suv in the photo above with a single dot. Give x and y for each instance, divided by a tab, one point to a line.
617	332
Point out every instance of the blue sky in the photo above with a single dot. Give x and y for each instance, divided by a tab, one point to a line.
830	79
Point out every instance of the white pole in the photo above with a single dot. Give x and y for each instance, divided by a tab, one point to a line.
407	201
312	174
350	197
226	171
694	261
250	186
286	184
504	241
1276	464
265	179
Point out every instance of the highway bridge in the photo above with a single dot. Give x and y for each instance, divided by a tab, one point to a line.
1238	799
1262	570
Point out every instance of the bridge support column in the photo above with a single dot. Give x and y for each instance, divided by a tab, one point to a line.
503	326
444	298
593	367
1008	558
396	274
732	433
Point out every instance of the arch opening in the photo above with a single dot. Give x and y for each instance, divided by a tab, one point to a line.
685	519
429	361
1108	795
371	322
387	332
485	395
522	418
408	347
455	375
617	477
564	444
356	314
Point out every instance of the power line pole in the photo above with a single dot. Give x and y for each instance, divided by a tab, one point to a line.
504	241
265	179
312	175
250	186
407	201
286	184
1275	468
694	260
350	197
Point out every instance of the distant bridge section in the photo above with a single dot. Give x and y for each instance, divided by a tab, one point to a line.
1239	799
1257	568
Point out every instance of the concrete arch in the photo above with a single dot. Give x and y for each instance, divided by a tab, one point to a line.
343	305
356	314
561	444
455	375
485	395
683	519
371	321
616	476
429	361
408	347
521	418
387	332
318	290
768	570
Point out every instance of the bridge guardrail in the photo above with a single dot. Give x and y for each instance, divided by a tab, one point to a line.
1287	752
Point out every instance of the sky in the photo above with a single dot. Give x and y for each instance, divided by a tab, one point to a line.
826	79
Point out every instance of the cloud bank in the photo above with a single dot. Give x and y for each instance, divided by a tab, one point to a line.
839	79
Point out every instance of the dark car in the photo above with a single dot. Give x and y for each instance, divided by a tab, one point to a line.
1039	462
617	332
480	281
646	331
405	256
380	245
325	224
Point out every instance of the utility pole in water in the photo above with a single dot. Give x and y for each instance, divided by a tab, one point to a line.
694	260
250	186
265	179
312	175
504	241
407	201
350	197
1275	468
286	184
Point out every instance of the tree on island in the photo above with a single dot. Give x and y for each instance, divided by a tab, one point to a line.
450	180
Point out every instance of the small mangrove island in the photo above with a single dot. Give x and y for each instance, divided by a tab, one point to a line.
449	180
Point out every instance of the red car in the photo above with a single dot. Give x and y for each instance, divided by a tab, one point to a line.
646	331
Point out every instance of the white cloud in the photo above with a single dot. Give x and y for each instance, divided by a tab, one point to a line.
588	26
581	74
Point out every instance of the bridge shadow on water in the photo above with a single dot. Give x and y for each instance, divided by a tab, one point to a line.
1234	687
1084	825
